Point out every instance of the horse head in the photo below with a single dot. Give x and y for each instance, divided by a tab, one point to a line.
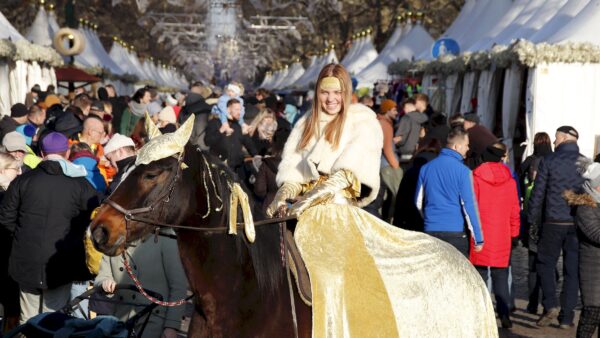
151	194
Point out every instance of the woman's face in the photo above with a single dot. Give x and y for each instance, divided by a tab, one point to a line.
331	100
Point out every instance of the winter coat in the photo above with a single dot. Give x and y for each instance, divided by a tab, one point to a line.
499	210
445	193
158	268
90	163
557	173
265	186
406	214
7	124
122	167
409	128
228	148
588	231
128	121
47	210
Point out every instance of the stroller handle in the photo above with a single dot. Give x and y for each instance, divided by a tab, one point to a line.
88	293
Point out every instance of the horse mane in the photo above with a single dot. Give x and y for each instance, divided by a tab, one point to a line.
265	251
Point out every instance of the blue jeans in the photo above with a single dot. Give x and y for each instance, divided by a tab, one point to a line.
553	239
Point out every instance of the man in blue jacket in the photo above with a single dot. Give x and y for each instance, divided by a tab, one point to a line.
446	198
557	173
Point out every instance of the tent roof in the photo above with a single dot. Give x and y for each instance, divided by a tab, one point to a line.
567	12
39	32
490	15
8	31
582	28
363	57
489	38
416	42
294	74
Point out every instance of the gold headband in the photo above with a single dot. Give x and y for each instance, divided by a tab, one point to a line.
330	83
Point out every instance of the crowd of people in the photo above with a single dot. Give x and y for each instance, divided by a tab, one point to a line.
447	177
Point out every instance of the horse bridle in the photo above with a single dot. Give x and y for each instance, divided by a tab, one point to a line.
131	215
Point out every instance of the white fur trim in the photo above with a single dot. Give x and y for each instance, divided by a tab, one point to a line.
359	152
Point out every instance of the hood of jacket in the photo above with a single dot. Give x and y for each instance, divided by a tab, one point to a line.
89	163
418	117
195	104
575	199
56	165
494	173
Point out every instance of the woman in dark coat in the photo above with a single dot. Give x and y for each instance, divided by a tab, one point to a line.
588	225
265	185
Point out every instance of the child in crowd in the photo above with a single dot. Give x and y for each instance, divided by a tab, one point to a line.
232	91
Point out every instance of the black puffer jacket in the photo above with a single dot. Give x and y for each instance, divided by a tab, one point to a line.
557	173
588	230
228	148
47	213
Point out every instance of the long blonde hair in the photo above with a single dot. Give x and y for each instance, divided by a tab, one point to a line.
333	131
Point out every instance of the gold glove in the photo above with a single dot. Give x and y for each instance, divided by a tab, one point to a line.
337	182
285	192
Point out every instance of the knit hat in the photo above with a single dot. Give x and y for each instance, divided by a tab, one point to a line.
14	141
118	141
235	89
18	110
472	117
153	108
54	143
51	100
569	130
167	114
387	105
27	130
492	154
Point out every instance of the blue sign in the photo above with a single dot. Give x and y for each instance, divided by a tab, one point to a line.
445	46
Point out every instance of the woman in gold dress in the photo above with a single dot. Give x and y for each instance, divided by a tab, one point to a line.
368	278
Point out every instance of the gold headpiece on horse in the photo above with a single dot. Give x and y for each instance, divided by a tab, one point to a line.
162	146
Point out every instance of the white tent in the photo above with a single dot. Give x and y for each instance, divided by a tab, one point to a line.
266	80
294	74
412	44
39	32
20	75
282	74
356	44
311	74
309	71
363	57
489	38
564	15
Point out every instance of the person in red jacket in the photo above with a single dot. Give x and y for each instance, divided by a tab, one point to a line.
498	201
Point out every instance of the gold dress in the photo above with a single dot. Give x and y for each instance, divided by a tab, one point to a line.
370	279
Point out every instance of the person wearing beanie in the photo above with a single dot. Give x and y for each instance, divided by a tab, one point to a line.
391	174
18	116
499	211
120	151
557	172
409	130
588	224
49	207
166	116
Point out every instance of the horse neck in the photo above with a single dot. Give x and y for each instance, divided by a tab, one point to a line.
226	285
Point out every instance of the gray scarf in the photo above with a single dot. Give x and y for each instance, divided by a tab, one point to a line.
137	109
592	176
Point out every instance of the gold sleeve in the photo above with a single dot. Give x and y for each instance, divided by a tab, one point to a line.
342	180
285	192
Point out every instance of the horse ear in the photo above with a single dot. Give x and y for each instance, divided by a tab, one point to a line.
182	135
151	128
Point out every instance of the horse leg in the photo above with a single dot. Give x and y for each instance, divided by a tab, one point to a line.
198	326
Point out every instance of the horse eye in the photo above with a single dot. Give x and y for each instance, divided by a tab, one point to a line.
150	176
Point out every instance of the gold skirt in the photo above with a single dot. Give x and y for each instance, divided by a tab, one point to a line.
370	279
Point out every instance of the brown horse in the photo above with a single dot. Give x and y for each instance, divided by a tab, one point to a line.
240	288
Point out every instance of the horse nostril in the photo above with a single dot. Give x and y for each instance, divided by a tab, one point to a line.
100	235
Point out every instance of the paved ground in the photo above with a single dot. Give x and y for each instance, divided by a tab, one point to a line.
523	322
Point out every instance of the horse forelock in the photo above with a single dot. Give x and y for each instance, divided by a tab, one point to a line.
264	253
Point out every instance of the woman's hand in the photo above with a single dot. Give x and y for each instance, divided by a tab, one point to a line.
288	191
109	285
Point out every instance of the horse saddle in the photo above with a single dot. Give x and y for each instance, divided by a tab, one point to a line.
298	269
